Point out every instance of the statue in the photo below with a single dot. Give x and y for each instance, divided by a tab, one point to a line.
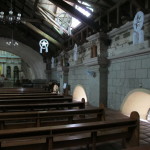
138	34
52	62
75	52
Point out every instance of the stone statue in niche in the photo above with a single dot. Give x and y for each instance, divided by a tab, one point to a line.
59	61
75	52
52	62
138	34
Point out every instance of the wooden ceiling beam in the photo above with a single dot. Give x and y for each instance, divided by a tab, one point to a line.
22	9
137	4
80	5
35	7
75	13
34	28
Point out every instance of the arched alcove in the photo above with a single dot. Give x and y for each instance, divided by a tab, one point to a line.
137	100
79	93
28	55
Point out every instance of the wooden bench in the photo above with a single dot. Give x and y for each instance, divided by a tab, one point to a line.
46	118
22	90
33	101
38	93
30	96
75	134
41	106
143	147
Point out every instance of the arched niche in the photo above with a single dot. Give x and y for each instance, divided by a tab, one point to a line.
137	100
79	93
28	55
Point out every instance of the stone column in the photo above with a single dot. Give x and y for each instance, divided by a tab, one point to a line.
103	62
63	77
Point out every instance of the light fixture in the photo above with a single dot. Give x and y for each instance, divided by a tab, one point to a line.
91	73
10	18
12	42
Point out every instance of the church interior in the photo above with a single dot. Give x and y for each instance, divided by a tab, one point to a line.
75	74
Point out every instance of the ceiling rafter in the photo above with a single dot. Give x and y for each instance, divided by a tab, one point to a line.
75	13
23	6
51	20
48	37
137	4
97	6
81	5
35	7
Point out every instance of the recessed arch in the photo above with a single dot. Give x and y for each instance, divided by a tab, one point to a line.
79	93
28	55
137	100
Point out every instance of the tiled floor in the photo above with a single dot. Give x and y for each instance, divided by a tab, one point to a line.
144	125
144	132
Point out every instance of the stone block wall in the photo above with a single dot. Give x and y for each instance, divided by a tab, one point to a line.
129	64
77	75
126	74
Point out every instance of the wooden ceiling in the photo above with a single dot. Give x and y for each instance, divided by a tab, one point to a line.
39	18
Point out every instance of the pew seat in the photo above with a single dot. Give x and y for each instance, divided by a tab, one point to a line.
62	136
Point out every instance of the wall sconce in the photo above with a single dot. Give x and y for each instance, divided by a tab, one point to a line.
91	73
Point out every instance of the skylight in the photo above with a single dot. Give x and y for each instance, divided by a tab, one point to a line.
76	22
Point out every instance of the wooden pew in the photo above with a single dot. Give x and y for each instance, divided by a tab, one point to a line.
33	101
34	93
30	96
143	147
22	90
46	118
41	106
75	134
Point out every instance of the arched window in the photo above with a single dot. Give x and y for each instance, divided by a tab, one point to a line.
8	75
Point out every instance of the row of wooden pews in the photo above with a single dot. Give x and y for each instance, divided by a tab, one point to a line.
49	123
33	102
22	90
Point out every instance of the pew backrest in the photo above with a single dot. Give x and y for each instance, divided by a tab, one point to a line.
41	106
43	118
34	100
127	129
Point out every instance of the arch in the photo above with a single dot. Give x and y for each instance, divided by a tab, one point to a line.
28	55
137	100
79	93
